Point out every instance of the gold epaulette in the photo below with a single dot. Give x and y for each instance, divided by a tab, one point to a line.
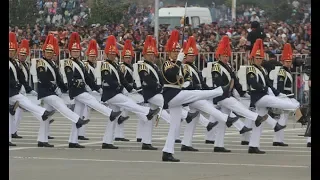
40	63
68	63
167	65
122	68
216	68
86	65
186	69
142	67
105	67
251	69
282	72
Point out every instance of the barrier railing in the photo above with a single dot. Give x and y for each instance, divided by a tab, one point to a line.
237	59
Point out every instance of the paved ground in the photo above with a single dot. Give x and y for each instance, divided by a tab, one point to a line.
130	162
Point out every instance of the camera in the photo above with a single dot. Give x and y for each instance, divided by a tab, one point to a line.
305	63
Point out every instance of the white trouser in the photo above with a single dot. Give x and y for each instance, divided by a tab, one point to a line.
10	124
128	104
57	104
208	107
246	136
276	102
175	108
221	129
140	127
82	100
85	115
25	103
309	139
211	135
16	121
189	130
256	131
234	105
279	135
44	126
119	130
109	132
48	128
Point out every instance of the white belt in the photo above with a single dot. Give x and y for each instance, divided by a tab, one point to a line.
53	82
80	80
287	89
172	86
105	84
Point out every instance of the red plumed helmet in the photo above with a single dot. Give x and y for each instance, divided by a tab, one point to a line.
24	47
287	53
127	49
257	50
191	47
223	48
111	46
149	46
49	44
173	42
74	42
92	48
56	46
13	44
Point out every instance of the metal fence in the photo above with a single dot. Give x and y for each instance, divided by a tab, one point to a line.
237	59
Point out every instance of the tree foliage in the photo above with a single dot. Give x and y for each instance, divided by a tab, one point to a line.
107	11
22	12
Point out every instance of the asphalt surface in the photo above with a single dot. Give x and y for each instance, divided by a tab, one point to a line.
27	161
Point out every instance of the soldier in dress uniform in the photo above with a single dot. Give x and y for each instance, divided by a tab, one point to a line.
222	73
49	89
175	97
25	88
55	58
197	83
12	111
264	95
285	86
113	84
90	65
16	79
127	71
78	81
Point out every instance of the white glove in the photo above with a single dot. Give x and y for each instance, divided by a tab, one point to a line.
58	91
33	93
133	91
180	56
88	88
282	95
100	91
246	95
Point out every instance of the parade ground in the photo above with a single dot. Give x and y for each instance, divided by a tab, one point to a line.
129	162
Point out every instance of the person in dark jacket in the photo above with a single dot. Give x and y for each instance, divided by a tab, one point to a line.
255	33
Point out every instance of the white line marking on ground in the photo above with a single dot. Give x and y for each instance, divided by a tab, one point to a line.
160	162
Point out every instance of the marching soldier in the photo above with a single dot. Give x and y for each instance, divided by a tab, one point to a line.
90	65
16	80
284	83
49	88
12	111
127	71
25	88
222	74
78	81
260	88
197	83
113	86
175	97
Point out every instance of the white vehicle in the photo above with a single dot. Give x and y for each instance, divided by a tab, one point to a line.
173	15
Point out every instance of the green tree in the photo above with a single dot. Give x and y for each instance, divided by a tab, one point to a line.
22	12
107	11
